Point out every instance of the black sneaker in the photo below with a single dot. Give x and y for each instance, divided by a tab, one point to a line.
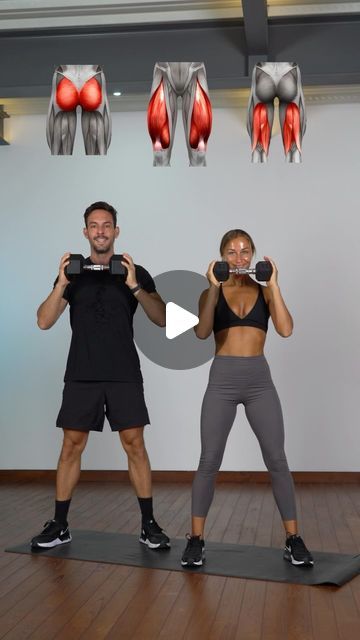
194	554
53	534
297	553
153	536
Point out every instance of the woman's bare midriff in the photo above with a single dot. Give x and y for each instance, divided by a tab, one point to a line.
240	341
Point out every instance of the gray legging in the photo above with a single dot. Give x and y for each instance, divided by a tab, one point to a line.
247	380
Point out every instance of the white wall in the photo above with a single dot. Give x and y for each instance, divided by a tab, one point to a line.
305	216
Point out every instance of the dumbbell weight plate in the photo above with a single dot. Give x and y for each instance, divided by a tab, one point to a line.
116	268
263	271
221	271
75	266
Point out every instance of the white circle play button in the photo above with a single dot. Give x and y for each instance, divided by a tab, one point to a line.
176	345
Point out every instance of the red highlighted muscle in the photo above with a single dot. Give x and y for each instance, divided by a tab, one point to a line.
90	95
261	128
291	127
157	119
68	97
201	120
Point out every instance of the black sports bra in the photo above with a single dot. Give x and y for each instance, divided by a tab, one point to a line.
258	316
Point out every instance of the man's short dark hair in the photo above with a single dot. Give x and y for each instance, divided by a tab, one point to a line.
100	205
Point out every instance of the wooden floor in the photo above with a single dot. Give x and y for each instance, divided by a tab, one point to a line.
44	598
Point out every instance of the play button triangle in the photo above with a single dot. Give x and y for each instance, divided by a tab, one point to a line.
178	320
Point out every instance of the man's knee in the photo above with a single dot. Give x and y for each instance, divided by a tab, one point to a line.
133	442
73	444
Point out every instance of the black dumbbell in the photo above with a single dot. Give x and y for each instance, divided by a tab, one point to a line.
77	266
262	271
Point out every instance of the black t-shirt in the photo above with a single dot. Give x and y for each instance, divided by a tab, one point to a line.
101	317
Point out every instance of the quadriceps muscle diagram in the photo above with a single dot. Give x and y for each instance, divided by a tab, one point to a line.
171	80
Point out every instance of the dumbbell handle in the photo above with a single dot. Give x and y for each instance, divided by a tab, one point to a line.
96	267
240	271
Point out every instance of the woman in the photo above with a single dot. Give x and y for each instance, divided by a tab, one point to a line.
238	311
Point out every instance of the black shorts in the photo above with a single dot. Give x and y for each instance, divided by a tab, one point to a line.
85	405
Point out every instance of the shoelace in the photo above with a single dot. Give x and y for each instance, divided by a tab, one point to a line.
53	523
299	545
193	541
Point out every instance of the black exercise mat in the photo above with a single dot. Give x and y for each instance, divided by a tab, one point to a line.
239	561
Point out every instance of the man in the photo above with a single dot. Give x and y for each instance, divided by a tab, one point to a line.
103	374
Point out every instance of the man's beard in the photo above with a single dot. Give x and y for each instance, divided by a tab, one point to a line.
101	248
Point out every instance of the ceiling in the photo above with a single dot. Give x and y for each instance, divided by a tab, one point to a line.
45	14
127	37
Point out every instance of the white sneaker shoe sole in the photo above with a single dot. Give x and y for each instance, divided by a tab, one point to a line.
192	564
196	563
153	545
290	558
49	545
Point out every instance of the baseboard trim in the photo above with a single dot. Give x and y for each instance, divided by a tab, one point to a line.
315	477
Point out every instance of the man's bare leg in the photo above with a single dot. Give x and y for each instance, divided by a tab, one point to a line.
140	475
69	465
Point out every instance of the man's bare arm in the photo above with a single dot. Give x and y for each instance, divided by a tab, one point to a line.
52	308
